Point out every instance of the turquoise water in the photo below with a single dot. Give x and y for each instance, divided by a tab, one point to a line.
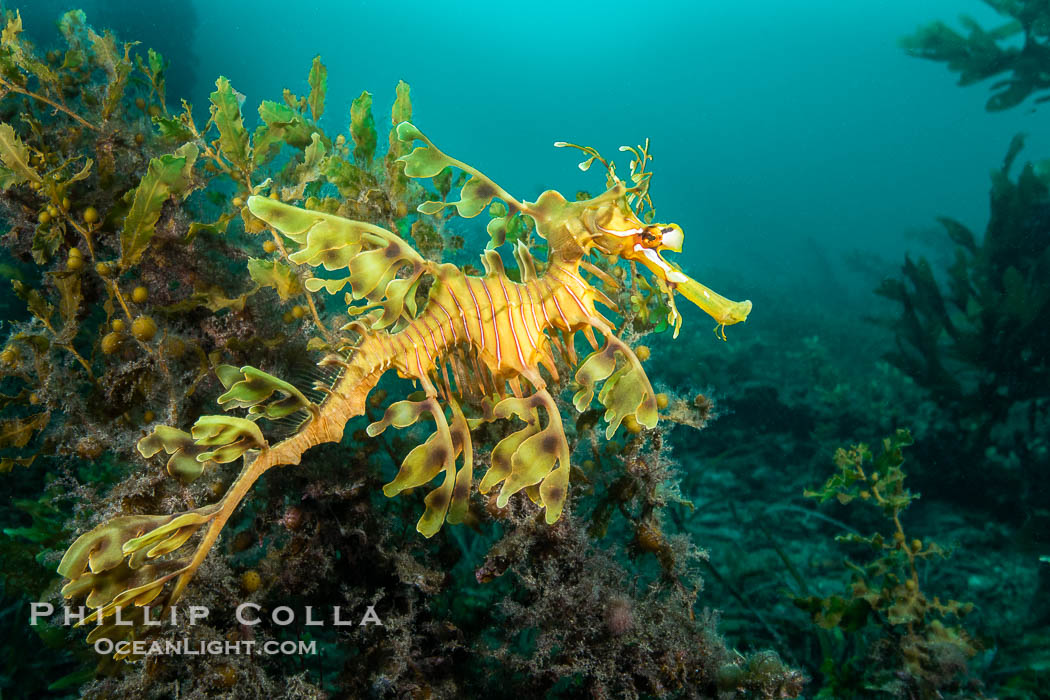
772	123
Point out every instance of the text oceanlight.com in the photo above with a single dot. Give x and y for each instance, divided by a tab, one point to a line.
187	647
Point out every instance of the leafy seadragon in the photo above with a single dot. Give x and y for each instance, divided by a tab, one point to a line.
470	345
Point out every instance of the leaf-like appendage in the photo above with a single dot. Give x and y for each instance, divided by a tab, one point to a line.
553	490
595	367
133	587
254	388
626	392
476	194
332	286
101	548
104	588
527	458
531	462
231	437
183	463
110	566
399	414
373	270
426	461
429	161
400	300
373	255
462	442
506	227
423	161
437	503
420	466
158	540
330	247
129	629
501	457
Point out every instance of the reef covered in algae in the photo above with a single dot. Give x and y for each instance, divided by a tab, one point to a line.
689	558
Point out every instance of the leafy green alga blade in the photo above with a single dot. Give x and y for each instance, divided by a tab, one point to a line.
400	112
46	242
308	171
281	124
18	431
273	273
15	54
226	113
363	129
68	284
157	68
105	50
318	87
172	129
167	176
15	156
107	56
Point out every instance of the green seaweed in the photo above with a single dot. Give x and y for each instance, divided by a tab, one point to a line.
885	606
1016	50
167	176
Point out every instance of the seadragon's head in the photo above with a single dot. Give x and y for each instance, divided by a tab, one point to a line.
619	223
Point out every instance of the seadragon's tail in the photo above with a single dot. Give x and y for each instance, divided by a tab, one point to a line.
129	565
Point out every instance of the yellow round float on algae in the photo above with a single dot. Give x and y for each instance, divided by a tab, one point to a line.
144	328
111	343
251	581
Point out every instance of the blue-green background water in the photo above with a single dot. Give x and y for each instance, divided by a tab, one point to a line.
779	129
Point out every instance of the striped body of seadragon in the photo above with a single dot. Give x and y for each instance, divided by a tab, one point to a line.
474	344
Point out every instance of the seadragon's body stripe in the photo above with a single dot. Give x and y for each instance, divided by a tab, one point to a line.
518	314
